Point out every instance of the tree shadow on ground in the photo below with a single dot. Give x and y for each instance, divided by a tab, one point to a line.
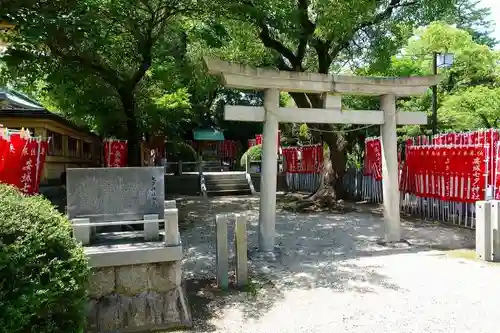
318	253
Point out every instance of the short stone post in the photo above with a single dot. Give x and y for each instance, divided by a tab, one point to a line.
240	240
222	251
151	229
172	236
483	230
81	232
170	204
495	230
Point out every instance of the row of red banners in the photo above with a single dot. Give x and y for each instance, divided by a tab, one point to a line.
308	159
447	173
115	153
22	160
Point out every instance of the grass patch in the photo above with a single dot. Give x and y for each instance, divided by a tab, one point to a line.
463	254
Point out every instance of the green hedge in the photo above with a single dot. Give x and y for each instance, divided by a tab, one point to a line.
43	271
253	153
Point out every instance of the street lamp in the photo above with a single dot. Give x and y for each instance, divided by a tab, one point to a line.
438	60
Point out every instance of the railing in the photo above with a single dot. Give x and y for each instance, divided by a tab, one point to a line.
84	229
181	167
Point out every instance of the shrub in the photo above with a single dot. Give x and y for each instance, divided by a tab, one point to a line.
253	153
43	271
180	151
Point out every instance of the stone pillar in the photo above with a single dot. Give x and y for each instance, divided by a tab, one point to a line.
267	217
390	172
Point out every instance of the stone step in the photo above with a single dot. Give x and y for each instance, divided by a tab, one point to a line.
224	187
225	176
226	181
228	193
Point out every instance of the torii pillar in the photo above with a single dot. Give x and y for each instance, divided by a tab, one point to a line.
273	81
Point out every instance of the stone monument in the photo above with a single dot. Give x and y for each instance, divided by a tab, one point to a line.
135	283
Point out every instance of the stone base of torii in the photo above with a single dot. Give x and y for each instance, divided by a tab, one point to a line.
274	81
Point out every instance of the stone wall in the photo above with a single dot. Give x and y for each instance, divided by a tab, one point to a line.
137	298
182	185
281	185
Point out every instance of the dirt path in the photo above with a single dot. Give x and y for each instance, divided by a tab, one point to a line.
331	274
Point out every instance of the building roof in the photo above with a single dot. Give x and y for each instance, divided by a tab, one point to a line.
17	105
208	135
11	99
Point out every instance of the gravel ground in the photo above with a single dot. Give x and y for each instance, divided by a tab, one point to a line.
332	276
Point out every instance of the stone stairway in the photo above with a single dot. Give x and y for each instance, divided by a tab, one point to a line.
226	183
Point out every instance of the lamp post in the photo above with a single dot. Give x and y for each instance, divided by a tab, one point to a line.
438	60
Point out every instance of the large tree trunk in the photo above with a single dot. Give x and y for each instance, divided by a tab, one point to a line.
331	188
133	134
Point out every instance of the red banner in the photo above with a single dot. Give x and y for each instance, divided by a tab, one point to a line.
308	159
373	159
258	139
291	155
115	153
446	172
22	161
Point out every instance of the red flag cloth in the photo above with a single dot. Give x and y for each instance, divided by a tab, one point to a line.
4	150
291	158
258	139
28	173
307	159
41	157
115	153
478	181
12	163
377	161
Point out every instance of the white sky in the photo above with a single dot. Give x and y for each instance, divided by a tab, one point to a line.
495	12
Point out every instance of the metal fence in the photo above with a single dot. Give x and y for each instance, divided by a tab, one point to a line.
303	182
359	187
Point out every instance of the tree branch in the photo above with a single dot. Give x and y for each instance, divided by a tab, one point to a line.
89	61
274	44
378	18
308	29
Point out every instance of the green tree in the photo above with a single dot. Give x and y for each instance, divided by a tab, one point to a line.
470	109
100	53
321	36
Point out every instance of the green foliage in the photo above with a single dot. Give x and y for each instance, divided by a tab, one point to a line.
253	153
472	108
180	151
43	270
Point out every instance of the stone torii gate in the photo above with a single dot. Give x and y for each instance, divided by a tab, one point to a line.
274	81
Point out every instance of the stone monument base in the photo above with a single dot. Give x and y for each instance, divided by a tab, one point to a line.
142	296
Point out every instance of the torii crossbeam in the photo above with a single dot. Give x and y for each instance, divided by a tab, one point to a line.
274	81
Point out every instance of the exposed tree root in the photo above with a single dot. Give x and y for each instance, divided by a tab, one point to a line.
323	203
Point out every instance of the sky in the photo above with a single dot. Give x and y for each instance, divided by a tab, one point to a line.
495	11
